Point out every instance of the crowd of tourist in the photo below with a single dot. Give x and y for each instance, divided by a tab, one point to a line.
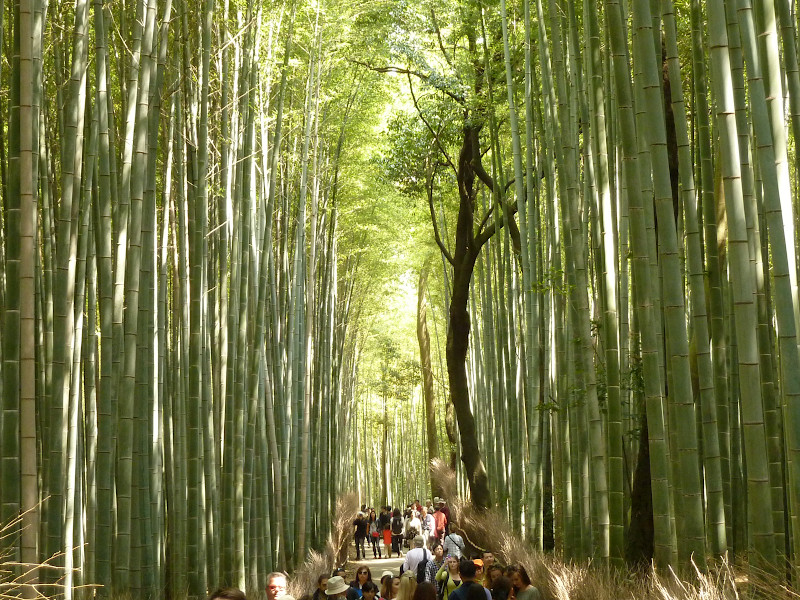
431	575
437	564
390	530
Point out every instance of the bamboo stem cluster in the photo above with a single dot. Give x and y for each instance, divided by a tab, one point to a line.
174	338
633	354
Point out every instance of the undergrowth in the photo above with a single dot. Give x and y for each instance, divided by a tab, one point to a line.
21	579
558	580
304	578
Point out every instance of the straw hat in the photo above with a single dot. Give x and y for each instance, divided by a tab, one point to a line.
336	585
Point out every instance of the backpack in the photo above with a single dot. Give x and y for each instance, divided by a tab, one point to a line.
397	526
421	567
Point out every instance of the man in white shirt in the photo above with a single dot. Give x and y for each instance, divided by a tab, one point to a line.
415	556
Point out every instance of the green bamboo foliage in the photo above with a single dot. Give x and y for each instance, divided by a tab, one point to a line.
193	204
752	411
610	282
691	536
132	251
30	98
770	169
715	511
10	420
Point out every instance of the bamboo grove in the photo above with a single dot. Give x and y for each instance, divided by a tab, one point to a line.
612	189
189	194
175	328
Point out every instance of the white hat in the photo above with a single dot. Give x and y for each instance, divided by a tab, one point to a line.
336	585
386	573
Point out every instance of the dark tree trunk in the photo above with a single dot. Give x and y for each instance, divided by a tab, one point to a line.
457	345
467	248
640	538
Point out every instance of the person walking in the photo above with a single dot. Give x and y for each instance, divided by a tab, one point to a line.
276	585
322	583
360	527
468	569
501	586
441	522
448	577
491	574
374	534
363	575
390	587
337	588
227	594
428	525
413	527
488	565
408	585
397	530
446	510
369	591
415	556
454	545
434	564
523	589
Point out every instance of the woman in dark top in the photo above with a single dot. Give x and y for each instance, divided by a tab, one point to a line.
360	526
374	534
363	575
322	583
397	527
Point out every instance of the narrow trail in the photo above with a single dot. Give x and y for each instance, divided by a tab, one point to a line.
376	565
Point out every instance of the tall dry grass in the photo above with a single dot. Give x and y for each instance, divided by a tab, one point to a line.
558	580
304	579
23	580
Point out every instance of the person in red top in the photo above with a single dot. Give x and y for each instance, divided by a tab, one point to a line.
440	521
446	511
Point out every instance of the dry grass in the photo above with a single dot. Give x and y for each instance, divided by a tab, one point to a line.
304	578
22	580
557	580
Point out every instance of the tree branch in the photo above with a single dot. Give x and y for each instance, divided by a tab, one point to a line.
435	221
487	179
428	125
439	38
421	76
509	210
485	219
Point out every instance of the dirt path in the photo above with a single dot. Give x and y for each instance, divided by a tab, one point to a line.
376	565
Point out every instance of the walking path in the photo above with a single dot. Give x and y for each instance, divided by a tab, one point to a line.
376	565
